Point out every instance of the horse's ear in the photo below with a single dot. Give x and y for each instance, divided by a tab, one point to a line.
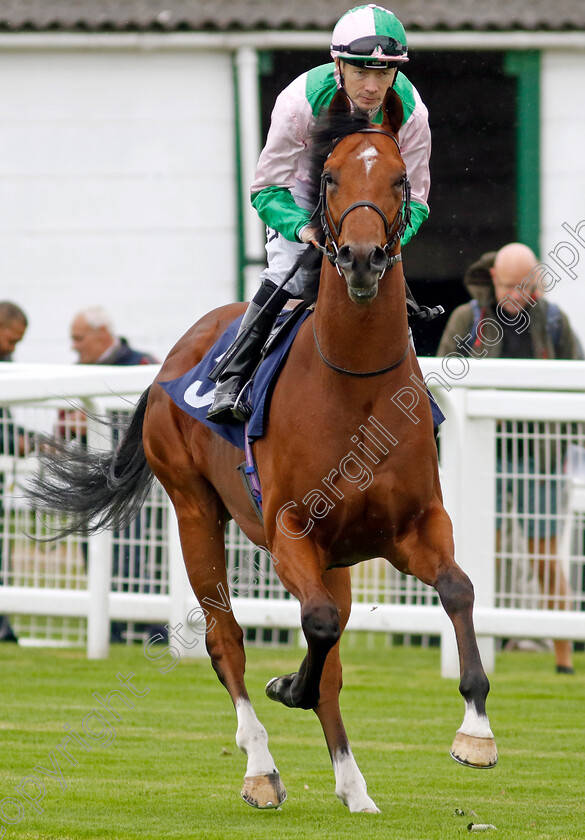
393	112
339	105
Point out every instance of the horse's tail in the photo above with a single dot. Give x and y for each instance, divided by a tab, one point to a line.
95	490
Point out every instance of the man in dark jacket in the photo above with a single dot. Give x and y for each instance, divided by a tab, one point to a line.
13	439
510	318
94	340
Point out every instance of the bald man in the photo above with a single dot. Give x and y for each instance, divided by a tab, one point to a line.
509	317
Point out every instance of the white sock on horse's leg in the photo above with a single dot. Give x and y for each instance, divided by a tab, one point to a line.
262	785
252	739
350	785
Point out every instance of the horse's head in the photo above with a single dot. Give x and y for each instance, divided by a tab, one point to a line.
364	199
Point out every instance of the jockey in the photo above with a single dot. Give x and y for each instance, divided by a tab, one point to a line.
368	47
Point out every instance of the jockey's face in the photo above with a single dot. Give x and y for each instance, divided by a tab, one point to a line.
366	88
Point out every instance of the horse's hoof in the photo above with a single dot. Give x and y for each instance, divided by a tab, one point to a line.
279	690
474	751
361	805
264	791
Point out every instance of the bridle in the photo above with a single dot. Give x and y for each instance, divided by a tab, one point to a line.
332	231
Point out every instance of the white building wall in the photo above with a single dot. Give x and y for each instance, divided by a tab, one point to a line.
563	179
117	185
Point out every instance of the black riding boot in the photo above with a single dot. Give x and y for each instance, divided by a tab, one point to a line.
239	369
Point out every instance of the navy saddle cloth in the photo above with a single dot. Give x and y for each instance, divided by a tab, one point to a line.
194	391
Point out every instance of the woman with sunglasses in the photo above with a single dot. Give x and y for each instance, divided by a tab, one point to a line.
368	47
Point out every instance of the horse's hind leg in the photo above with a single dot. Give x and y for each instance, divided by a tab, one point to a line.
201	531
169	440
430	558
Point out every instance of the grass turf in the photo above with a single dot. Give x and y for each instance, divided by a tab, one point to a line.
173	770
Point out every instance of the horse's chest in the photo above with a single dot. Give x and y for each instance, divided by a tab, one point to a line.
363	528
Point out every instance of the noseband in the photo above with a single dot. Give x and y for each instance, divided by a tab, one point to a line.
393	231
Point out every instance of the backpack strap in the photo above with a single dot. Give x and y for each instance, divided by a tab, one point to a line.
554	325
477	315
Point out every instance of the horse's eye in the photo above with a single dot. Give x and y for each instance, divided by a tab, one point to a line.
328	178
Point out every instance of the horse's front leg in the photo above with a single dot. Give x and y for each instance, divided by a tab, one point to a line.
262	786
297	565
350	785
325	606
430	556
474	743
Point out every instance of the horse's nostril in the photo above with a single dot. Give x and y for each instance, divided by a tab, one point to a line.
378	259
345	257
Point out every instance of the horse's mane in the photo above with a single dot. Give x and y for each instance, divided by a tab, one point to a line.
329	129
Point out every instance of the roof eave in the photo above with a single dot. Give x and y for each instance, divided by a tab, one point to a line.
279	39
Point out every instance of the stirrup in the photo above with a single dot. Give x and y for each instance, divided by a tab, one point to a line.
242	408
236	410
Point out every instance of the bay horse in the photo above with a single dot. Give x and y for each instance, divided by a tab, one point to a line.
323	511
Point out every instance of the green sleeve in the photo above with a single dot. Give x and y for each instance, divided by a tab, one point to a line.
418	214
278	210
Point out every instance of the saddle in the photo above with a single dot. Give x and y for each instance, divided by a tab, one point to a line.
193	392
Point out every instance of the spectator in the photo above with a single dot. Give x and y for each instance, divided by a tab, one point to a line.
13	439
507	302
503	288
94	340
13	324
95	343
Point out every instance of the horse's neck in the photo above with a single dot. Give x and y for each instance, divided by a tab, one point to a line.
362	337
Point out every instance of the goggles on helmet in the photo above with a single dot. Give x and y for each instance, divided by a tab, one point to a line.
381	48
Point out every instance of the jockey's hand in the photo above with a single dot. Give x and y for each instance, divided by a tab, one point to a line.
309	234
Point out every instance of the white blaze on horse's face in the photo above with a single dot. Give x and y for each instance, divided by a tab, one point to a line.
362	227
369	157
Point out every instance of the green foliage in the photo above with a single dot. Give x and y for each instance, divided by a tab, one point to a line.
173	770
